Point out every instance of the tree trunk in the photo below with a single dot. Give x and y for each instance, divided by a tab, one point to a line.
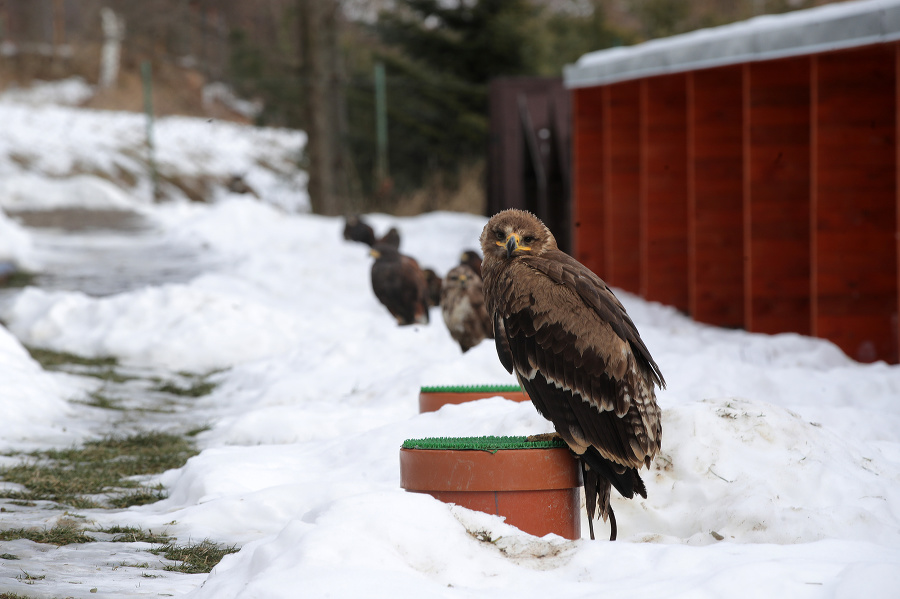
323	110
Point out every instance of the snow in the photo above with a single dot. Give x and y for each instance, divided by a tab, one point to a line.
779	474
102	156
834	26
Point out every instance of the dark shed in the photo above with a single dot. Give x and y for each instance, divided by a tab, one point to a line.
528	165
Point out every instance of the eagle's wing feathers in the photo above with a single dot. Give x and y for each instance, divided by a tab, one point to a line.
502	343
596	294
582	383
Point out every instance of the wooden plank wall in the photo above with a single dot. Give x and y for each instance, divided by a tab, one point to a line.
762	195
776	196
587	174
663	190
715	188
854	220
621	171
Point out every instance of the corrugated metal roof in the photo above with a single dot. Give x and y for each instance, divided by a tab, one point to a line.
821	29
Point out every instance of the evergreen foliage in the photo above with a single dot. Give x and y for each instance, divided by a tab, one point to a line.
440	58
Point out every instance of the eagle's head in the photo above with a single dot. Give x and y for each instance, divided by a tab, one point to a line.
385	252
460	277
512	233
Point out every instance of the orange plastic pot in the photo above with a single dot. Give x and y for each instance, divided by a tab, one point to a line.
536	490
432	399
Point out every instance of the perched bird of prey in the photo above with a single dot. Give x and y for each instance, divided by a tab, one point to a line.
462	306
471	259
576	353
434	284
399	285
355	229
391	238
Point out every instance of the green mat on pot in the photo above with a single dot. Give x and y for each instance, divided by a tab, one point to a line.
472	389
491	444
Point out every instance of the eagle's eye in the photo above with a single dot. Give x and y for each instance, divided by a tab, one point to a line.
528	239
499	234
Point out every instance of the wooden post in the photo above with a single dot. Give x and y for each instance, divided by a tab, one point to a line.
147	78
381	127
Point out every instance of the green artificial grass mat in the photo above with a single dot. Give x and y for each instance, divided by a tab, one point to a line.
472	389
492	444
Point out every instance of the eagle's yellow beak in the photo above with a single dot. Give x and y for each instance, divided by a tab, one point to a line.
512	244
374	253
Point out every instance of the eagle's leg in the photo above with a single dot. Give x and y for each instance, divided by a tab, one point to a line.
542	437
613	529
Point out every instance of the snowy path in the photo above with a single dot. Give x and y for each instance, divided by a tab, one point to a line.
101	253
104	252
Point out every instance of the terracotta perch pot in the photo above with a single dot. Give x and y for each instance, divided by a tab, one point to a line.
534	485
432	399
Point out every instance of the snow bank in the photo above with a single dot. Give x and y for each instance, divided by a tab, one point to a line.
72	152
34	403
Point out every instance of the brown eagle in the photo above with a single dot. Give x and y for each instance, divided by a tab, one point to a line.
434	283
399	284
391	238
576	353
356	229
462	306
471	259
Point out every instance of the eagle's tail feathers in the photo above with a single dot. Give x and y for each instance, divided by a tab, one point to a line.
590	495
639	486
626	482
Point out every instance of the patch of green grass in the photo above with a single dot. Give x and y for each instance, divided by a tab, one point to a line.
142	496
131	534
64	533
13	596
196	431
193	559
52	482
143	453
103	466
9	556
98	400
18	279
109	375
50	359
196	389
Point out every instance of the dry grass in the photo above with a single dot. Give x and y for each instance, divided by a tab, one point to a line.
76	476
467	195
200	558
131	534
64	533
